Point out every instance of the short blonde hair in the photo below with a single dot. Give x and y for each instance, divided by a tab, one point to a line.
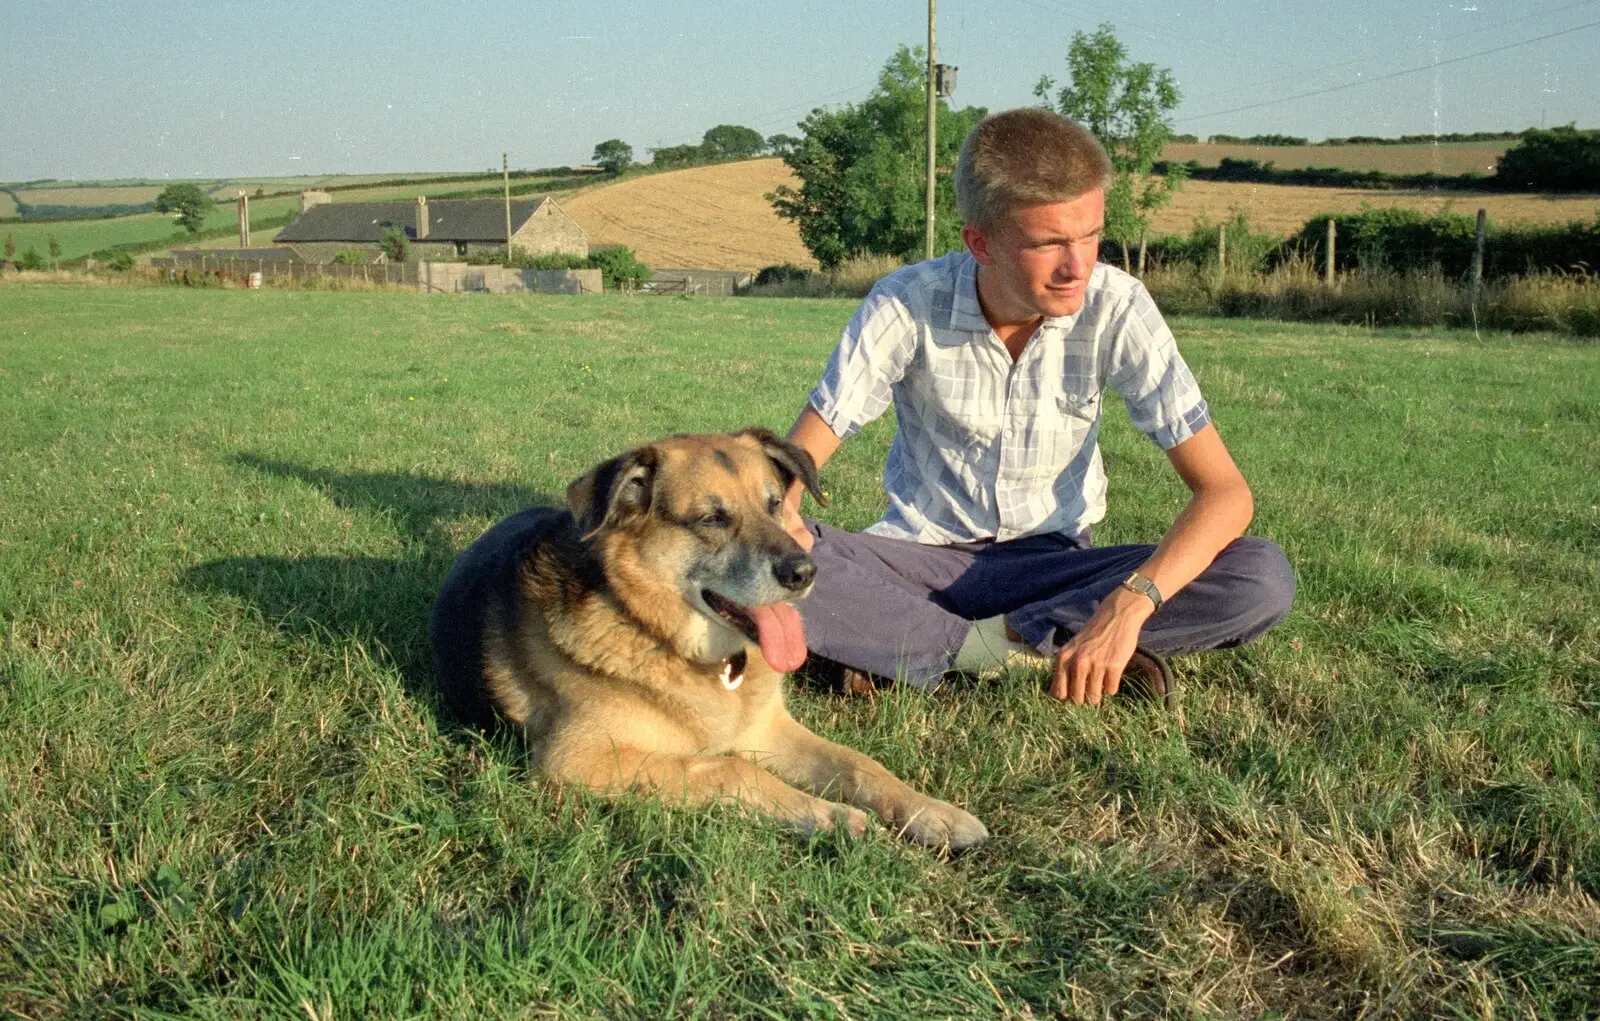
1026	157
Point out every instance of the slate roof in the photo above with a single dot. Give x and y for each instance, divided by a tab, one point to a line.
448	220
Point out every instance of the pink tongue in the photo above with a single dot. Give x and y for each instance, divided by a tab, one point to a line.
783	638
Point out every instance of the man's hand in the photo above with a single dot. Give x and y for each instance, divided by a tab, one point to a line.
1089	667
814	436
793	523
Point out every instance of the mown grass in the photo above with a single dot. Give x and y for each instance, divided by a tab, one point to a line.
229	791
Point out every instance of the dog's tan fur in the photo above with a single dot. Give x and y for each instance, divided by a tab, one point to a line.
584	628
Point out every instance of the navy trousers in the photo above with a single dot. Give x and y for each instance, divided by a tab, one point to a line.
900	609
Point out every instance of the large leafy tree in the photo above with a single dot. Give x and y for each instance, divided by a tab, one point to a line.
782	145
732	142
675	155
862	166
188	201
1126	105
1561	159
613	155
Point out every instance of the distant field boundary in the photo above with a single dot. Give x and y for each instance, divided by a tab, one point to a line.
1258	172
549	179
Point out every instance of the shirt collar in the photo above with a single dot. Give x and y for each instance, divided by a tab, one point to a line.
965	312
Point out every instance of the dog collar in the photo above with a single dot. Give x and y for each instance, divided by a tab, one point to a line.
733	671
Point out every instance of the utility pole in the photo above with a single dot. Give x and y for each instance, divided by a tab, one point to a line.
933	111
505	172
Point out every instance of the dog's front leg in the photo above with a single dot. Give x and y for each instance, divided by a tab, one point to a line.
832	770
699	780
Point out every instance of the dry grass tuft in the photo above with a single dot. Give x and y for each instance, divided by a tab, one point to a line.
853	279
1296	290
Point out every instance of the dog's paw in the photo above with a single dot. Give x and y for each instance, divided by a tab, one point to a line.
939	823
852	819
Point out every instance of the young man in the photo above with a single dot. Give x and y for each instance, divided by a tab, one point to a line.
996	359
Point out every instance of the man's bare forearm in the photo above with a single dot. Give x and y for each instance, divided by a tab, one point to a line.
1219	510
1211	520
816	438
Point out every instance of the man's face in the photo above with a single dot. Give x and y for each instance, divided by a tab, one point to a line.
1037	259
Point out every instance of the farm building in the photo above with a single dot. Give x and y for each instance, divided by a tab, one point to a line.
443	229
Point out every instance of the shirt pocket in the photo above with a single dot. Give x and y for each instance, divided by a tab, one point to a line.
1081	402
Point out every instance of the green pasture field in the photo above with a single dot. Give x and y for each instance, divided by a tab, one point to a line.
101	193
81	237
229	790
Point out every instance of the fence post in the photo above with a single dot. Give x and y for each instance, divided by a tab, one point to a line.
1331	233
1222	250
1477	256
1141	255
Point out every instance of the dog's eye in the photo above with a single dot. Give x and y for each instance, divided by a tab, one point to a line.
716	519
774	505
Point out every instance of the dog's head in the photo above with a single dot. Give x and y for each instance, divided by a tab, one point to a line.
690	534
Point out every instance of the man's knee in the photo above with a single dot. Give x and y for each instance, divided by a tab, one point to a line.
1263	580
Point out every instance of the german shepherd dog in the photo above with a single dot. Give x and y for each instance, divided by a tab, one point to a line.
638	639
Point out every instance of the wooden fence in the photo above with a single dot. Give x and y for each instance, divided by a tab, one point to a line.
231	268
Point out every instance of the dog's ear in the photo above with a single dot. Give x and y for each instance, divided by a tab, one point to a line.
618	491
790	459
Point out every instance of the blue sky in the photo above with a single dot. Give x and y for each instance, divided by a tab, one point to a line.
134	88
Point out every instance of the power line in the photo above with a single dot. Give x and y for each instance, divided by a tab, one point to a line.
776	115
1302	72
1386	77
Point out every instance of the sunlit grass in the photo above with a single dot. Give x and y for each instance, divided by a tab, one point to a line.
229	790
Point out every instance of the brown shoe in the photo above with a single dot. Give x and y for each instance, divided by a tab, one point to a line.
855	683
1148	676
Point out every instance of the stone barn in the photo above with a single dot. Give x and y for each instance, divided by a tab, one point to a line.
443	229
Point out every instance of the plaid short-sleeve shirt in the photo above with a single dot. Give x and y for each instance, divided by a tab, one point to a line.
988	448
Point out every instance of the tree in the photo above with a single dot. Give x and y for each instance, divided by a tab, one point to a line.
732	142
675	155
782	145
55	251
1561	159
188	201
394	243
11	246
862	170
619	267
613	155
1125	105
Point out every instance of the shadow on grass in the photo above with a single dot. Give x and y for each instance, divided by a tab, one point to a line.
381	604
419	505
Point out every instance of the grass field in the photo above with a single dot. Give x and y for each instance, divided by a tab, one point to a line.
229	791
81	237
1448	158
94	193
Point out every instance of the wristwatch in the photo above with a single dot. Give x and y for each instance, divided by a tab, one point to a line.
1137	582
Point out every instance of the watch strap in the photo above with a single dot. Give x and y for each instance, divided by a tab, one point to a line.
1137	582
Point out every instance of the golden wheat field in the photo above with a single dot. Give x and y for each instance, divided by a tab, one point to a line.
714	217
1449	158
1283	208
718	218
